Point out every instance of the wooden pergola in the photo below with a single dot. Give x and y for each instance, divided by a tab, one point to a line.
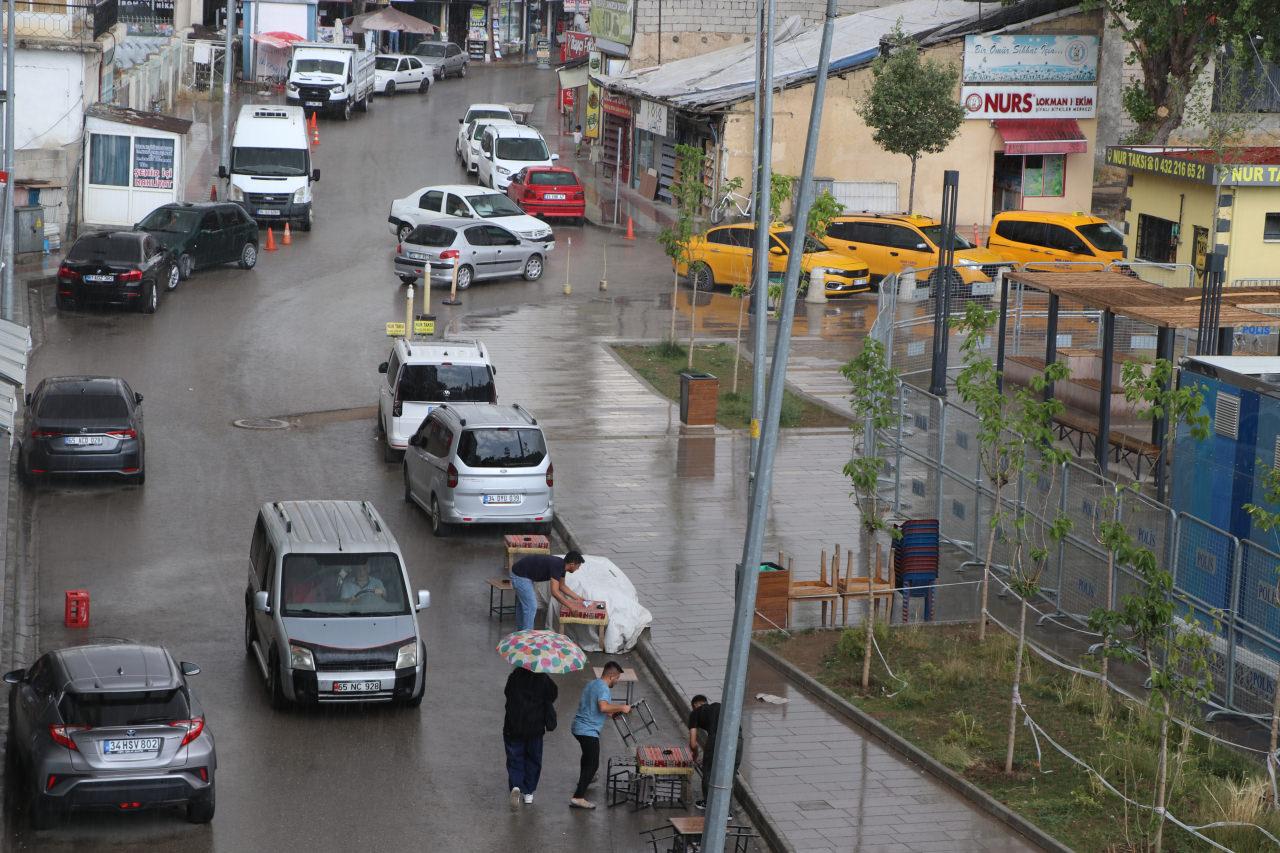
1116	294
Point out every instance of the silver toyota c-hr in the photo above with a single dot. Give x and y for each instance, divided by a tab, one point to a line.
111	725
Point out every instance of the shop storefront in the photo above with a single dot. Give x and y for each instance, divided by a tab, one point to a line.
655	147
615	133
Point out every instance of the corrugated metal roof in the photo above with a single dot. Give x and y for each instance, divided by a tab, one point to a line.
137	118
714	80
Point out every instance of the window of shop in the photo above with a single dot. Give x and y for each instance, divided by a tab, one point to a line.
108	160
1043	174
1157	239
1271	227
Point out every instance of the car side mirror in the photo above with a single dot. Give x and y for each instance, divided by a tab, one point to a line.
776	250
382	368
189	668
315	175
17	676
555	157
921	247
488	155
137	398
222	172
459	121
424	600
261	601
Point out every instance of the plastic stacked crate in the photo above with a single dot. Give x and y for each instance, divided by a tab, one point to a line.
915	564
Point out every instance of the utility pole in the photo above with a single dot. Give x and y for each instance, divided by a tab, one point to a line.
228	73
735	679
760	252
9	161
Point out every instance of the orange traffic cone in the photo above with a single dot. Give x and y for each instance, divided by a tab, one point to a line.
213	191
976	241
313	121
315	134
631	231
288	238
271	239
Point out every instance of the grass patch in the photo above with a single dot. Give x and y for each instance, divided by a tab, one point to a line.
660	365
956	707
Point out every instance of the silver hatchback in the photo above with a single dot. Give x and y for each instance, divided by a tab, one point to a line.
480	463
111	725
482	250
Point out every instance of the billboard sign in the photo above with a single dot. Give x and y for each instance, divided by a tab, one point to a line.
1030	59
1020	102
613	20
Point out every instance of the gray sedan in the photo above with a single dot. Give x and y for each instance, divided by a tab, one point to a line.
444	58
112	726
481	250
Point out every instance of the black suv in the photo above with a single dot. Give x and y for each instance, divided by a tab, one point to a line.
120	267
82	425
203	235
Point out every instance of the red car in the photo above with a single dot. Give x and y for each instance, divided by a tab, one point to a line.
548	191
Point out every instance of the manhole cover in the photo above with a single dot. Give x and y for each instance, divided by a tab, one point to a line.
261	423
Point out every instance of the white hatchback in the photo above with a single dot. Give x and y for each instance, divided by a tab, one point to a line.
506	149
468	202
393	72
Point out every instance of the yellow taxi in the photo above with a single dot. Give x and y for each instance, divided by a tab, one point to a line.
889	242
722	256
1028	236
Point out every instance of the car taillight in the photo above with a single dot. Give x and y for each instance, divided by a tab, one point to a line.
449	254
453	475
577	196
67	272
131	275
194	727
551	474
45	433
122	433
399	248
61	734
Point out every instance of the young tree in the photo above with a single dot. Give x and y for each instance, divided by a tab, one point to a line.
1172	43
1152	388
911	106
739	293
873	399
688	191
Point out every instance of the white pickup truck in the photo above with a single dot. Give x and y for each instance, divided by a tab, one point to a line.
330	78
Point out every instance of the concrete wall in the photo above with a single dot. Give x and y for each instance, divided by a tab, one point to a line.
1250	256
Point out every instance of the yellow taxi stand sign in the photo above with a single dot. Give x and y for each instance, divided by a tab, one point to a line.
420	327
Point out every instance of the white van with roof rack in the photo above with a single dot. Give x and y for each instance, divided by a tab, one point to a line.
271	174
420	375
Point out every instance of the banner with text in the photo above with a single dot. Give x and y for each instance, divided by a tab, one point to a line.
1017	102
613	20
1030	59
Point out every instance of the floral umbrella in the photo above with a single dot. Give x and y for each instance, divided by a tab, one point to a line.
542	651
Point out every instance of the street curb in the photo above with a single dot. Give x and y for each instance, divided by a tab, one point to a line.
751	804
910	751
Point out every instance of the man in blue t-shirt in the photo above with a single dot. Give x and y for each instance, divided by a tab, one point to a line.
542	568
594	707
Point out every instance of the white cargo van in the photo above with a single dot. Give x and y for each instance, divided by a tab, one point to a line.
333	78
271	174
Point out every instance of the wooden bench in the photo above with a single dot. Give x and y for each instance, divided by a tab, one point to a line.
1078	430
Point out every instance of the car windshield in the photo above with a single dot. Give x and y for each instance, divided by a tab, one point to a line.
810	245
278	162
477	128
494	204
346	584
78	407
429	48
1102	236
446	383
432	235
113	248
386	63
553	179
132	708
171	221
934	233
473	114
318	66
521	148
502	448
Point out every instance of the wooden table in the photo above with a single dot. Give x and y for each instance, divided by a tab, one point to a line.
688	833
522	545
627	678
665	762
597	617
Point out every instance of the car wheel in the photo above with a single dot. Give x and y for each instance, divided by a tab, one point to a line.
275	690
390	88
150	299
464	277
63	303
408	279
175	276
701	278
305	223
462	72
533	268
389	453
439	527
200	810
955	285
425	86
403	232
248	627
185	267
346	110
408	493
248	255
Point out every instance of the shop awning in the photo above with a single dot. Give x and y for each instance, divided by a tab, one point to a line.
572	78
1042	136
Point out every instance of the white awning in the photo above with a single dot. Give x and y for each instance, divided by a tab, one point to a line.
572	78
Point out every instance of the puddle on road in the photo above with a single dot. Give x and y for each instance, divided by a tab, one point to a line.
308	419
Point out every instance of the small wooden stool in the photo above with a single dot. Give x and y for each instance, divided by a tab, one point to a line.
596	615
501	586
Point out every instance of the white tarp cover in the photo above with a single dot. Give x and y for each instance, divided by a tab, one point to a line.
600	580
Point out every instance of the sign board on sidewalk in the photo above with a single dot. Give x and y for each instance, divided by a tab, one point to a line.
613	20
1030	59
1021	102
652	116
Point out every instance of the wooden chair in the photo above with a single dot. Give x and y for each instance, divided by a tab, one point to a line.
879	589
822	590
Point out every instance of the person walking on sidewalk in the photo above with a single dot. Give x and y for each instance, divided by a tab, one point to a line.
531	713
542	568
595	705
577	141
705	717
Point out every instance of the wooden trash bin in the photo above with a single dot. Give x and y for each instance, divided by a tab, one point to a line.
699	397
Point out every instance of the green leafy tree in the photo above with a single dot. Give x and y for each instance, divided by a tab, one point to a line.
1173	42
911	106
688	191
1152	389
873	399
739	293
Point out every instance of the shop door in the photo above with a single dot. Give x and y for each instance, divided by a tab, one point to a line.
1200	252
611	139
1006	190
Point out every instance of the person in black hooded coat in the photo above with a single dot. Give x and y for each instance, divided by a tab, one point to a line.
531	698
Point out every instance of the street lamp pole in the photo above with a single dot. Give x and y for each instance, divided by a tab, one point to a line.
7	242
763	184
228	72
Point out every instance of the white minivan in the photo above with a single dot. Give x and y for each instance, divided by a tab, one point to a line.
506	149
271	174
420	375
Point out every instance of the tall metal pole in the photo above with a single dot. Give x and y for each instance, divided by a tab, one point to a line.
760	254
228	73
735	678
8	246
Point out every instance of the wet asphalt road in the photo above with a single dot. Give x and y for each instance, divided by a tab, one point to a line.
166	562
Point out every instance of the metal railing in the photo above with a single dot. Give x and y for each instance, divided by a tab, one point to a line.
79	21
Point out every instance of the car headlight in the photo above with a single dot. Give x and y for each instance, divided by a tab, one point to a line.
300	657
407	656
299	195
291	89
968	263
503	170
336	87
234	193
